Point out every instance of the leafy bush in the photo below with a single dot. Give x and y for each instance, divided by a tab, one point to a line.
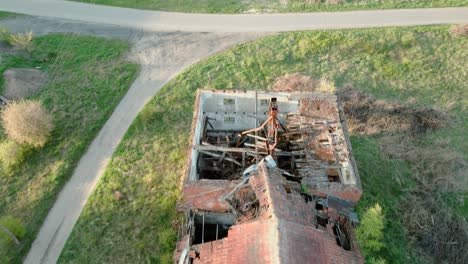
14	226
22	41
370	232
27	122
11	154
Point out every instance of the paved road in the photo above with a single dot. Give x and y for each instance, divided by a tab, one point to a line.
167	21
162	56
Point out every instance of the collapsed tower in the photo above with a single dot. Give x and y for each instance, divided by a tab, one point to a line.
270	179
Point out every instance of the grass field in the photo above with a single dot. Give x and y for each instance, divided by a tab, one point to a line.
87	78
6	15
268	6
423	65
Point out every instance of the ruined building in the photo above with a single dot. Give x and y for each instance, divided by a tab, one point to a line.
270	179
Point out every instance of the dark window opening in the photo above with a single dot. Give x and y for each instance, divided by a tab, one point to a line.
322	219
284	163
319	206
307	197
264	102
341	236
229	119
323	140
229	101
209	232
333	175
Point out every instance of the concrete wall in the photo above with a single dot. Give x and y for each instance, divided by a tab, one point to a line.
236	111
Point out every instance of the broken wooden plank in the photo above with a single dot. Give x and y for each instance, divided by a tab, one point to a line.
228	195
221	149
219	156
256	137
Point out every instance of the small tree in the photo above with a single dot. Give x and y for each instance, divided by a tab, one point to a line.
370	232
27	122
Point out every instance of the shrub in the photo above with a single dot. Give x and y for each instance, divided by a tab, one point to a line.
459	30
4	34
370	232
27	122
11	154
14	226
22	41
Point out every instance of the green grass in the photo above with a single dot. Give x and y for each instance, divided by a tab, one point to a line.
422	64
87	78
382	188
242	6
4	15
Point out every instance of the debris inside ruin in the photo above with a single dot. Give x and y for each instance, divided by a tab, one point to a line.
271	178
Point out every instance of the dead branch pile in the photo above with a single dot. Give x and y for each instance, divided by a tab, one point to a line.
435	167
442	234
319	108
366	115
438	231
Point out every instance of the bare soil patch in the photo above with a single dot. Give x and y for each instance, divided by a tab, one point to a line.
21	83
459	30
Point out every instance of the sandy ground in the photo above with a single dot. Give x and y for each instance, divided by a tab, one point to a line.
161	56
170	21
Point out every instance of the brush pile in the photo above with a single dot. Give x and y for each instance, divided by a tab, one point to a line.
402	130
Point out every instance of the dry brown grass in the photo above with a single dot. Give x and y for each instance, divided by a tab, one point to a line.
459	30
22	41
440	234
366	115
299	82
27	122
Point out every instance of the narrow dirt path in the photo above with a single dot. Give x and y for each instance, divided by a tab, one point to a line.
161	56
168	21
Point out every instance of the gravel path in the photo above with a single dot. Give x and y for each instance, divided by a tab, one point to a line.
161	56
167	21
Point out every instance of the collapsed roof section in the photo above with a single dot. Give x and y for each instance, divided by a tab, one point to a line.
312	143
270	179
